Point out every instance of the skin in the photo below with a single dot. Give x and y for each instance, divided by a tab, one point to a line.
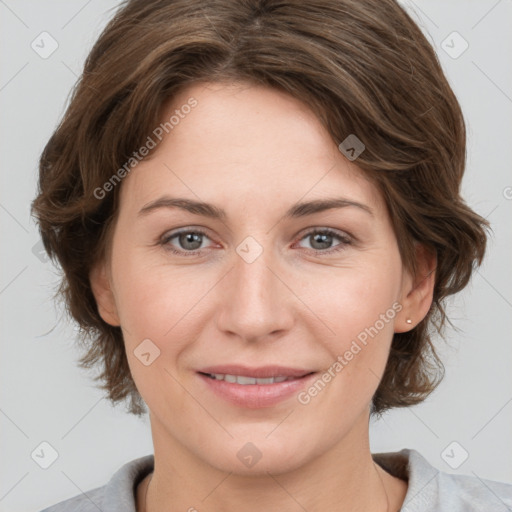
255	152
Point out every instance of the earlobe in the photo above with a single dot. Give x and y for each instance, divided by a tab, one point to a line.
418	291
102	291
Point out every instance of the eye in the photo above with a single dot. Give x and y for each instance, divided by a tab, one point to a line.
189	241
321	240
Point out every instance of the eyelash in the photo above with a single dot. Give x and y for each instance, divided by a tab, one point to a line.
345	240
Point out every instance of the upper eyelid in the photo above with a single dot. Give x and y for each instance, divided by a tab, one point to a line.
322	229
178	231
169	235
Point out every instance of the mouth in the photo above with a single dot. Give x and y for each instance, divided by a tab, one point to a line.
255	388
245	380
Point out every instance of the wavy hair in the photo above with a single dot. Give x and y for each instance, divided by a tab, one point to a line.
363	66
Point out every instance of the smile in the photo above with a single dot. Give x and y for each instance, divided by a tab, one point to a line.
245	380
255	388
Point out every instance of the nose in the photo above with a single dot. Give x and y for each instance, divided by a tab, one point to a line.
257	302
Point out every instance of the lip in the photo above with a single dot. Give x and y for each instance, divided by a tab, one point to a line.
256	396
260	372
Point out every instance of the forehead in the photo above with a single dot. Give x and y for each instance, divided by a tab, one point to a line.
243	142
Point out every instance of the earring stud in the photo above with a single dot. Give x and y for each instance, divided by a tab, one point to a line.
409	321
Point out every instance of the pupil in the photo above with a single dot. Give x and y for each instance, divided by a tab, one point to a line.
323	239
193	238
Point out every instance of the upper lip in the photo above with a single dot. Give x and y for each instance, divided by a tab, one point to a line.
260	372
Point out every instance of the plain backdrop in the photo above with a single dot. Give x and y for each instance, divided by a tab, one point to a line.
45	398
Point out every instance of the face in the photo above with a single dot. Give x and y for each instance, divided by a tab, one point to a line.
258	284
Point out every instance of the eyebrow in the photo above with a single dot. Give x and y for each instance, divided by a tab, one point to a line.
209	210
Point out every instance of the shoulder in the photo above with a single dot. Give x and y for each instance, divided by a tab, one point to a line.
89	501
472	493
430	489
115	496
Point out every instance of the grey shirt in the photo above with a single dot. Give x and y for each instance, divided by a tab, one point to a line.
429	490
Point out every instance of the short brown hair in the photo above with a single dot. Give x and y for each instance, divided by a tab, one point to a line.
363	67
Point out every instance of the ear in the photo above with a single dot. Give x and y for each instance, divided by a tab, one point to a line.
417	291
99	278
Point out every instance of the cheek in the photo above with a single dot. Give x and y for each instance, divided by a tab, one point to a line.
156	309
353	299
153	302
167	305
359	306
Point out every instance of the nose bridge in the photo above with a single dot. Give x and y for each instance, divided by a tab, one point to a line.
255	302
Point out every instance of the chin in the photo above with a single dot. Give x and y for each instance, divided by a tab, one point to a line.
259	456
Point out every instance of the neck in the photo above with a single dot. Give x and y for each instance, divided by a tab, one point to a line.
343	479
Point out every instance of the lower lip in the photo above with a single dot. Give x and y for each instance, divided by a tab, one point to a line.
256	396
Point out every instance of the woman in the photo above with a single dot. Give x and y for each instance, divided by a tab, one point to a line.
256	206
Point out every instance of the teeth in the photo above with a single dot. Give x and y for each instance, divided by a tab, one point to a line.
245	380
242	379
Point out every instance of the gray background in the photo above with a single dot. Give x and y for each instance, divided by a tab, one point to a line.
45	397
